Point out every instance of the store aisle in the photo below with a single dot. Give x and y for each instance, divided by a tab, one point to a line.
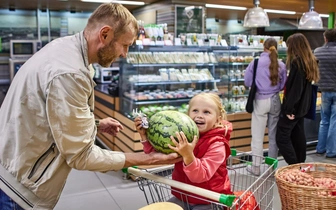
109	191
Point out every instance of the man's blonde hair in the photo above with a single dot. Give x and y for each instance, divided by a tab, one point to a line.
114	15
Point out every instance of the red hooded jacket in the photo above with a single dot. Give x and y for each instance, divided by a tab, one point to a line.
219	182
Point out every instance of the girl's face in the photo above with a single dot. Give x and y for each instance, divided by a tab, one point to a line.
204	113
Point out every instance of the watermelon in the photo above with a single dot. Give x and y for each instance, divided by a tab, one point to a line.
164	124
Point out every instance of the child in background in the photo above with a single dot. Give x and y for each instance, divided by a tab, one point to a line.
207	156
270	79
303	70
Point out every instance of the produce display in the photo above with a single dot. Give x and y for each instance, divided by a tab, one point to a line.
170	57
164	124
299	177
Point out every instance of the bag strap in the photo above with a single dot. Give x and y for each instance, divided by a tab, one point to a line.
255	69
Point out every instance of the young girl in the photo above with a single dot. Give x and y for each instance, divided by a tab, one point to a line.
290	136
207	156
270	79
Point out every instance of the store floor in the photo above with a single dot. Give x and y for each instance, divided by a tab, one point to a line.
87	190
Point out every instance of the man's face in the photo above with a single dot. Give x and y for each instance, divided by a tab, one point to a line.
118	47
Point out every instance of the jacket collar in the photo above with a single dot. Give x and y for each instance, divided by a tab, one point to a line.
330	44
84	47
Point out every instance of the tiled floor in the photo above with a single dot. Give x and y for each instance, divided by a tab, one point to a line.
87	190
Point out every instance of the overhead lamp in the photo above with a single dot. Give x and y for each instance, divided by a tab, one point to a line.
256	16
218	6
280	11
310	19
120	2
324	15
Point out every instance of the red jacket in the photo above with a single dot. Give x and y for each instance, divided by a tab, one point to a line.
219	182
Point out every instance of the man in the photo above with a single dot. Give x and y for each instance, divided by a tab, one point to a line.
47	125
327	85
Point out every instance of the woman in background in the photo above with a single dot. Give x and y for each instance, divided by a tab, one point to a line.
270	79
303	67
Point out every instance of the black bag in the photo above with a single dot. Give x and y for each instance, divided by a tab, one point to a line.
253	89
312	110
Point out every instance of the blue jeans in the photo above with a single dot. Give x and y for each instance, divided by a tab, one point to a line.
6	203
326	137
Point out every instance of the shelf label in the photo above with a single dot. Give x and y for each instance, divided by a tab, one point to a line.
224	43
189	43
168	42
200	42
160	43
138	42
146	41
177	41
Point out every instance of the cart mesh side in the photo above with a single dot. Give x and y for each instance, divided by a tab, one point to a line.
258	187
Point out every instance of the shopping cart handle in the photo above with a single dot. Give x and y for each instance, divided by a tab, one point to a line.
221	198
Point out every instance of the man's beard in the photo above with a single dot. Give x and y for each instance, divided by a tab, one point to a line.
106	55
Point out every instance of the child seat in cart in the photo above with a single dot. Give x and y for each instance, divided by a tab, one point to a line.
250	191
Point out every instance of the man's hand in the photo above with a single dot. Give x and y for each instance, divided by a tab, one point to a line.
110	126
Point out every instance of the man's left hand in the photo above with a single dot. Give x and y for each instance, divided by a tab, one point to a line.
110	126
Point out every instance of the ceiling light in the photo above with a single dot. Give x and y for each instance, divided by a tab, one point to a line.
311	19
256	17
280	11
324	15
120	2
218	6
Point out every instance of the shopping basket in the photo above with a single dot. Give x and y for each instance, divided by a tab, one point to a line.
156	184
295	196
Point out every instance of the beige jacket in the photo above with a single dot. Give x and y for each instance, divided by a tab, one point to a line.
47	125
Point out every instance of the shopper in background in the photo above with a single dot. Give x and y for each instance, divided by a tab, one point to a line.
303	70
326	56
47	124
270	79
207	156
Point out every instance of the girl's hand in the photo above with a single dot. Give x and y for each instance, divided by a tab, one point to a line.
139	127
183	147
291	116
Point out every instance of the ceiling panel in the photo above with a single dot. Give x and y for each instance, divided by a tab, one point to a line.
300	6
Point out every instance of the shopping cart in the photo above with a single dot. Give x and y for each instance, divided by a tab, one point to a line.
157	185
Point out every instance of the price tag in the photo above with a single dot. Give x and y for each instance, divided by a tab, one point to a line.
159	43
212	42
224	43
146	41
255	43
200	42
177	41
152	43
138	42
189	43
168	42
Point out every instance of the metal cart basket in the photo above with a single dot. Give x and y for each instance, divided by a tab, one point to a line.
157	184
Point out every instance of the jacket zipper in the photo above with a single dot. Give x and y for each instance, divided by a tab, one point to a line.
40	160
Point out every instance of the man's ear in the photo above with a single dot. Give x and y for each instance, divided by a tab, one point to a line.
106	34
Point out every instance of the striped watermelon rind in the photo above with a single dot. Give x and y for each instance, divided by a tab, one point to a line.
164	124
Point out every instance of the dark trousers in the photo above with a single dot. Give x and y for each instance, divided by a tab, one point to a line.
6	203
291	139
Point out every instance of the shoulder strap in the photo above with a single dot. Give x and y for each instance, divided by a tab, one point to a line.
255	68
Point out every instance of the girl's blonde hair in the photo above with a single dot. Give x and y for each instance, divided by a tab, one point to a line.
114	15
299	51
271	44
216	99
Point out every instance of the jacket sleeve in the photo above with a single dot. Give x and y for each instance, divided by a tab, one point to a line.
248	77
72	125
294	88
